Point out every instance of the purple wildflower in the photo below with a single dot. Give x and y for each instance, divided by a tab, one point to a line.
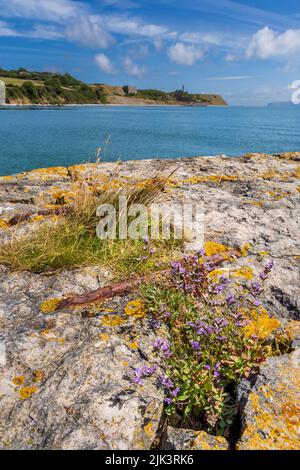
230	299
175	392
166	382
195	345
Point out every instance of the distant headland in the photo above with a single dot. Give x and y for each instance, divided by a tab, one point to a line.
23	87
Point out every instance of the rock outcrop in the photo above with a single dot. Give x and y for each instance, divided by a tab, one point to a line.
65	377
271	408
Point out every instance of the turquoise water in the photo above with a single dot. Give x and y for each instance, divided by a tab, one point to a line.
49	137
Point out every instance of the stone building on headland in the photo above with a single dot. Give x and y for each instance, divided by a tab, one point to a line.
2	93
130	90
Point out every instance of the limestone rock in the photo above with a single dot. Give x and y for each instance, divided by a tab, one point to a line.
271	411
187	439
65	378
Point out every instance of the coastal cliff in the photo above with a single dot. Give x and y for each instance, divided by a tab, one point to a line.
78	374
45	88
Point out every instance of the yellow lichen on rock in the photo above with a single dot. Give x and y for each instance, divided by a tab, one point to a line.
112	320
37	218
205	441
50	305
244	272
212	248
38	375
261	324
149	429
135	308
210	178
103	337
273	411
26	392
18	380
3	225
245	249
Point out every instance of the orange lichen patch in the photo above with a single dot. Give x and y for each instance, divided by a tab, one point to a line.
135	308
291	412
112	320
61	196
261	324
216	273
149	431
3	225
38	375
6	178
172	183
18	380
274	413
263	253
125	363
212	248
205	441
270	174
244	272
244	250
210	178
37	218
50	305
104	337
255	203
297	172
298	189
26	392
54	170
133	345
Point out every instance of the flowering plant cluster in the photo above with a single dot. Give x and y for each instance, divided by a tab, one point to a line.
207	351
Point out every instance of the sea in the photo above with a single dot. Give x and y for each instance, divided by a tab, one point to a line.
61	136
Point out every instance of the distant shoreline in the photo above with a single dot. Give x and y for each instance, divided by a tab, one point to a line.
20	107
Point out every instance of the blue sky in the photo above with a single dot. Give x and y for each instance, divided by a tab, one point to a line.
247	50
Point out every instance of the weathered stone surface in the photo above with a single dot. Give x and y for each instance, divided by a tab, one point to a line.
76	369
186	439
271	408
65	378
252	200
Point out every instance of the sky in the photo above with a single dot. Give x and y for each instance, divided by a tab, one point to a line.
246	50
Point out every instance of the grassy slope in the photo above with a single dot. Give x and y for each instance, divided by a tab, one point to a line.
76	92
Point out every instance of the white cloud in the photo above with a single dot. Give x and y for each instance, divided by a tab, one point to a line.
200	38
229	57
131	26
133	69
42	31
89	33
49	10
105	64
186	54
266	43
7	30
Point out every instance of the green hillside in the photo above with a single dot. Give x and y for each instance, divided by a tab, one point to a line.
25	87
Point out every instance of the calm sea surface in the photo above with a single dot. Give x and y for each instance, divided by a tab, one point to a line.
50	137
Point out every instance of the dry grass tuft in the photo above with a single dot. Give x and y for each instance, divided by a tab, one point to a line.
70	240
